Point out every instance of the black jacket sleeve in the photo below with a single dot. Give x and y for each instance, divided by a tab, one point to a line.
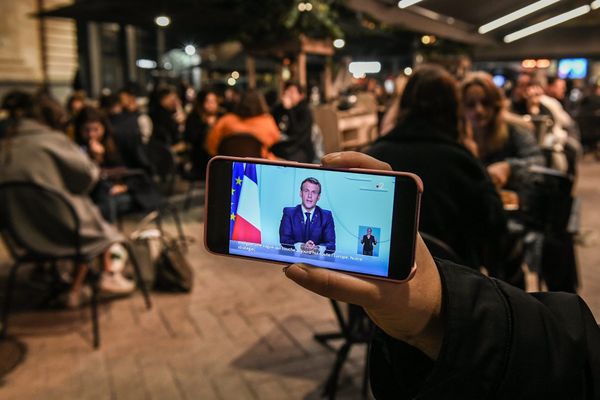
499	343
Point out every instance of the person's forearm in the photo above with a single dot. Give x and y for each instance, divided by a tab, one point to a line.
418	310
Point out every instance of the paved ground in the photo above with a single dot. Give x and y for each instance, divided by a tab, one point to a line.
244	332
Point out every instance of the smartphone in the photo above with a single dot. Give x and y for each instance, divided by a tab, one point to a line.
358	221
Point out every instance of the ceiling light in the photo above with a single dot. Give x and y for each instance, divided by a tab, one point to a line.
559	19
235	75
162	20
528	63
231	82
145	64
308	6
364	67
513	16
542	63
595	4
340	43
301	7
190	50
407	3
408	71
425	39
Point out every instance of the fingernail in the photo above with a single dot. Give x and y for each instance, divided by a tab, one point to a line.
295	272
328	158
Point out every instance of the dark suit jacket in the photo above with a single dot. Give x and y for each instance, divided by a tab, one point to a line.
322	230
368	242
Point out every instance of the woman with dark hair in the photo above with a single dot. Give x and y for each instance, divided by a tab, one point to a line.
94	134
250	116
112	195
507	150
460	205
198	124
34	151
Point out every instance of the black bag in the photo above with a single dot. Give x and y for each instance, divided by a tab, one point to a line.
173	271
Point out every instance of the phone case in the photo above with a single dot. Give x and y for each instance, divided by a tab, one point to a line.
416	178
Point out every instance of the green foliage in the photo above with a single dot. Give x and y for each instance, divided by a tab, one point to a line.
269	22
322	21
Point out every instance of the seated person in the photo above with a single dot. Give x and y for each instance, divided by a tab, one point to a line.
200	121
368	241
307	227
113	196
128	100
167	116
507	150
250	116
36	151
453	333
127	135
460	205
294	117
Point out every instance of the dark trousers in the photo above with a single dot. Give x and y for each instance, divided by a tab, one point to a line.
367	252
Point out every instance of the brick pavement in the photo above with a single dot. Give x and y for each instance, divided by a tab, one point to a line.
244	333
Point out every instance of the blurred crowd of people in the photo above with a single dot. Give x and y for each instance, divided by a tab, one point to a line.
472	142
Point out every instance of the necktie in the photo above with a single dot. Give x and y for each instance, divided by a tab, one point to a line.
307	227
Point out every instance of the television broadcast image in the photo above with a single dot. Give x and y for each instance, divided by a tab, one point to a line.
332	219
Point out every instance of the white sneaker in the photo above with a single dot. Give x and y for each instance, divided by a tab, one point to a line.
112	282
118	258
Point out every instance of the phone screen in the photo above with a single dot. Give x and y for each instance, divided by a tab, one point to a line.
333	219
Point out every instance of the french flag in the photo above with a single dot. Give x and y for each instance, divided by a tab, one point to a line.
246	227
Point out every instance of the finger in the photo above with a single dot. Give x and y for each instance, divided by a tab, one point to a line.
353	159
335	285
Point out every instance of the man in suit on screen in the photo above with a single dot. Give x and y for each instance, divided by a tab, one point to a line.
307	227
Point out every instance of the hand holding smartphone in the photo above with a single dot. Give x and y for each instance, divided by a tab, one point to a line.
360	221
409	312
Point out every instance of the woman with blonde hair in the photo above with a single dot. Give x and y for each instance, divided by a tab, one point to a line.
505	148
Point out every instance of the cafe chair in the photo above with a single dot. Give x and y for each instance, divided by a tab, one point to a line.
439	249
240	145
165	165
28	243
355	327
153	213
547	209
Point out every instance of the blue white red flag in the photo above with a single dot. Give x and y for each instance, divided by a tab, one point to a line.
237	176
246	227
